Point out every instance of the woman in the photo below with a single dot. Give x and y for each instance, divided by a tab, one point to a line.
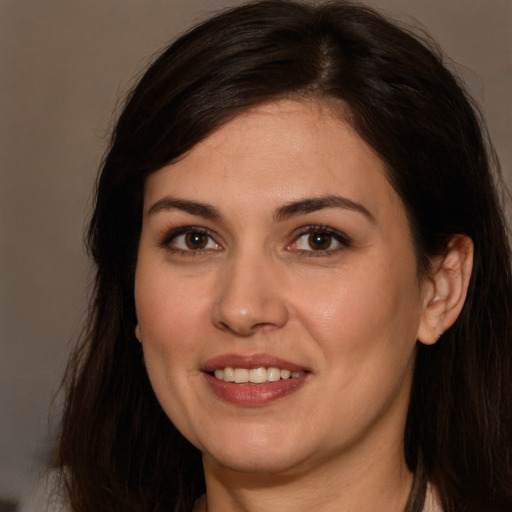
303	281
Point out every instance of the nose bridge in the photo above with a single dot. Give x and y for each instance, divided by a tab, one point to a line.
249	296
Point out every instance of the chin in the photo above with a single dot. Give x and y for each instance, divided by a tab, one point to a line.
256	452
262	463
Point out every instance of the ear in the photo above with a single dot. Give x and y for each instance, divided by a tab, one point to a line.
445	290
137	332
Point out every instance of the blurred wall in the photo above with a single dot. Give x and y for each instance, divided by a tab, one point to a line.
63	67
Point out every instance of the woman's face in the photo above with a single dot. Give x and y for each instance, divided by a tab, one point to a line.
278	245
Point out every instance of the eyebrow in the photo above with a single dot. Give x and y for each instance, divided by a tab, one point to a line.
193	207
303	206
310	205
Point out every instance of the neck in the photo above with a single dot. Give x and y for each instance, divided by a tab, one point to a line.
374	484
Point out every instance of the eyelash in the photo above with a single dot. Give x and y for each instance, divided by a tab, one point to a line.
186	230
341	238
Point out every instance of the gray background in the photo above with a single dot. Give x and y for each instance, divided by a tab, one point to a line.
64	65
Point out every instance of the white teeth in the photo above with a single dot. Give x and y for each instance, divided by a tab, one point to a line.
258	375
285	374
273	374
228	375
255	375
241	375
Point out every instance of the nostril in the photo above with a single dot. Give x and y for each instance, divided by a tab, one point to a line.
246	329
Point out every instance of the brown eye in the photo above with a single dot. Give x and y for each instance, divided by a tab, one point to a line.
189	240
195	240
319	241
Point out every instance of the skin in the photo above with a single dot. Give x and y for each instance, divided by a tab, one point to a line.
351	314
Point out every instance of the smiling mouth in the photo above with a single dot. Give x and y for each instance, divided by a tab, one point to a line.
259	375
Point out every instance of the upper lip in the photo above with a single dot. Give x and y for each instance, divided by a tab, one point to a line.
250	361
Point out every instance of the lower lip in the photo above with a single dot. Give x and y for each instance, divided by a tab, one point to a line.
254	395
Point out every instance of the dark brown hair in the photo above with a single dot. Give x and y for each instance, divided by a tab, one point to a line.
119	450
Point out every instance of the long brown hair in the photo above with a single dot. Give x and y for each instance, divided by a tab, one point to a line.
118	449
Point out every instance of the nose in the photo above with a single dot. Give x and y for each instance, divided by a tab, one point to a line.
250	297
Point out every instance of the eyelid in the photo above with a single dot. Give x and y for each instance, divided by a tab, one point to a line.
174	233
342	238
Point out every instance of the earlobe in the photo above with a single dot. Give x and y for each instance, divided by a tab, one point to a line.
137	332
446	289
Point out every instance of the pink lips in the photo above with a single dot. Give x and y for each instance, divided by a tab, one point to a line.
252	395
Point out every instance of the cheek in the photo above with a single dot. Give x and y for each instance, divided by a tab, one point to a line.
357	310
168	314
169	311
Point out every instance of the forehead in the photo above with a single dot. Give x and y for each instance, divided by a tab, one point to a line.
278	152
